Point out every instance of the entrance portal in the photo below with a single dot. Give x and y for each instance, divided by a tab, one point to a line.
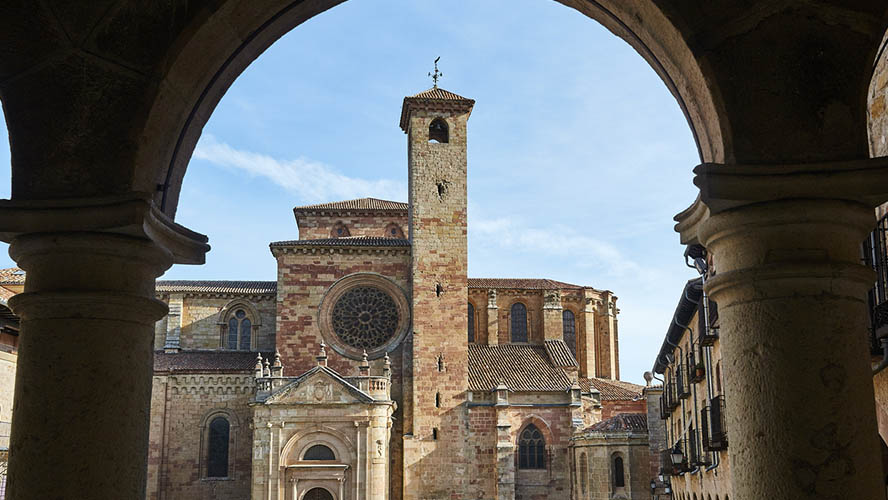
318	494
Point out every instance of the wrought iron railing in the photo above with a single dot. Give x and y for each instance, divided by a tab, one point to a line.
875	255
696	366
715	435
682	383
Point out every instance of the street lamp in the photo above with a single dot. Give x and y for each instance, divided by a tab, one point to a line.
676	455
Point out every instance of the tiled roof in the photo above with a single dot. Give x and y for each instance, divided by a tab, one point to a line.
559	353
358	204
612	390
5	294
623	422
12	276
185	286
207	361
348	241
435	99
520	283
521	367
436	93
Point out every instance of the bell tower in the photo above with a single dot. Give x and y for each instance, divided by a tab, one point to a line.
436	462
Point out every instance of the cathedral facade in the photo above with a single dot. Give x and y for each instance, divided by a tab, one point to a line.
373	367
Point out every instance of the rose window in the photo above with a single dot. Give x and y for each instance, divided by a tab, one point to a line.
365	317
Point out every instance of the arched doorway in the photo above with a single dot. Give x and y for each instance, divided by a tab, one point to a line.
317	494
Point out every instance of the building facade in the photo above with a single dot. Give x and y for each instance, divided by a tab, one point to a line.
373	367
693	405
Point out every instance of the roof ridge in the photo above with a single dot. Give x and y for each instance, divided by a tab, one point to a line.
365	203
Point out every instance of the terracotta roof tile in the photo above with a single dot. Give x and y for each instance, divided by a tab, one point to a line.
5	294
12	276
520	283
348	241
559	353
186	286
522	367
623	422
438	93
612	390
207	361
373	204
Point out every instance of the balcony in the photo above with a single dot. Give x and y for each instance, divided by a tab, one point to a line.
696	367
669	394
682	385
875	255
695	456
715	436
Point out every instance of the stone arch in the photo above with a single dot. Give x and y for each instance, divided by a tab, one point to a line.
339	230
203	447
253	319
219	47
229	308
393	230
342	447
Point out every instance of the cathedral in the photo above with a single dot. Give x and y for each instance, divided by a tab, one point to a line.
373	367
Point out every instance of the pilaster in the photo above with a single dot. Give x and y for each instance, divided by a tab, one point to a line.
492	318
588	366
553	321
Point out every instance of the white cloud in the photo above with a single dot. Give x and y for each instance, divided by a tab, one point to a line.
311	180
562	241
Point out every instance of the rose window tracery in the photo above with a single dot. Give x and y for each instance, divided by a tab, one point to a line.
365	317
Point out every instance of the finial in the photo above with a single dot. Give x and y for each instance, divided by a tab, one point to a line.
322	356
364	357
267	370
277	358
258	368
437	74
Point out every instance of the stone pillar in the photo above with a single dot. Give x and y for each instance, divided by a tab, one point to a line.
588	367
505	454
791	291
492	318
83	386
174	323
553	321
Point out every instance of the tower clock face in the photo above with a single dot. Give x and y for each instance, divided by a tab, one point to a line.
365	317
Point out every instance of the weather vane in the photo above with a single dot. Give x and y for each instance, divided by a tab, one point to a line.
437	74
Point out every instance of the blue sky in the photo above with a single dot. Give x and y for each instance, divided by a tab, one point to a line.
578	154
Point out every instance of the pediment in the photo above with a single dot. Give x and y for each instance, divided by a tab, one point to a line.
320	386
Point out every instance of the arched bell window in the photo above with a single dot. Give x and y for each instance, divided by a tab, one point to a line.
240	331
319	452
439	131
217	447
619	476
318	494
471	326
531	449
569	329
518	316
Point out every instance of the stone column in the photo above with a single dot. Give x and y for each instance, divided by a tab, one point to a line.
88	310
588	366
791	291
553	321
492	318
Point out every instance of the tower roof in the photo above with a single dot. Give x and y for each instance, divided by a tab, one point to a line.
435	99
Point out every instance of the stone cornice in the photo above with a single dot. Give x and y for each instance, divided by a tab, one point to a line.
221	295
329	250
131	214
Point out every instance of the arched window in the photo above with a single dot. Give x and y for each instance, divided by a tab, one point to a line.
217	447
240	331
619	478
319	452
584	473
570	330
339	230
531	449
438	131
318	494
519	322
471	322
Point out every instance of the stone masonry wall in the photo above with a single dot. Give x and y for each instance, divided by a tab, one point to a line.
201	322
180	404
7	389
436	463
615	407
315	227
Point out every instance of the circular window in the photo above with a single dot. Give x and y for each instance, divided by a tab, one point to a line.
364	311
365	317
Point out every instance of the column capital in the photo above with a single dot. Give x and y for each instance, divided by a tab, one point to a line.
130	214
